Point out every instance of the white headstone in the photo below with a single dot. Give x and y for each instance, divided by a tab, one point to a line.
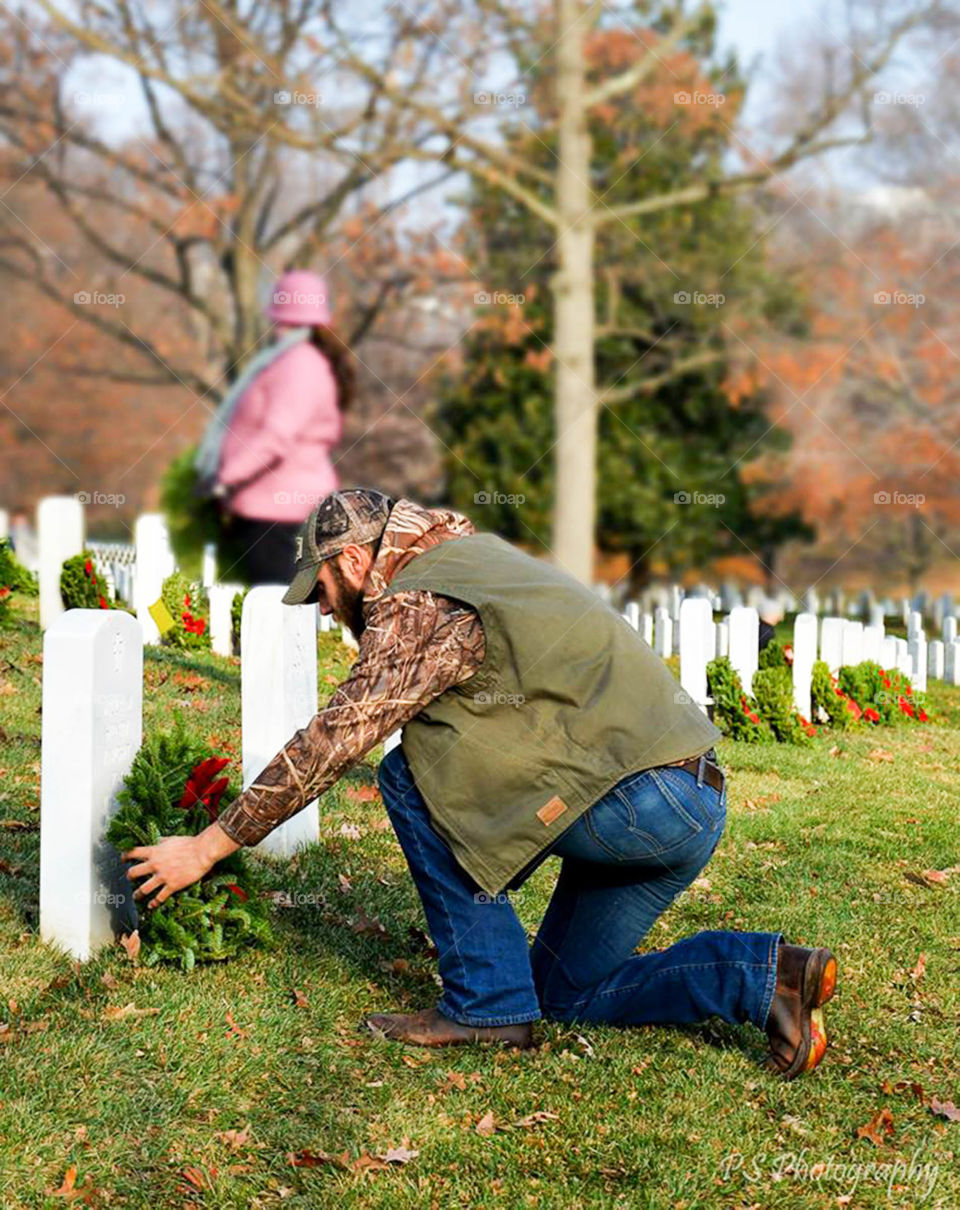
663	633
348	638
279	695
876	616
914	624
92	711
744	624
804	657
4	524
209	574
903	656
632	614
221	620
154	563
949	629
935	660
851	651
723	639
60	536
831	643
696	647
951	662
646	628
917	648
872	639
888	653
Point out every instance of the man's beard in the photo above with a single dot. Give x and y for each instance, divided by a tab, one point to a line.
349	602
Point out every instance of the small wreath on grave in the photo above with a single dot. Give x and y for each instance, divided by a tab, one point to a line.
174	788
14	579
190	612
865	692
81	586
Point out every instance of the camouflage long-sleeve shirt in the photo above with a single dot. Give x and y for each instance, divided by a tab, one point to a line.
415	646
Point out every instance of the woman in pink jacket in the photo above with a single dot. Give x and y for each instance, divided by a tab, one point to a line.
274	458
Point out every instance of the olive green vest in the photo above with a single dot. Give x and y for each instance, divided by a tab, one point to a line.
569	700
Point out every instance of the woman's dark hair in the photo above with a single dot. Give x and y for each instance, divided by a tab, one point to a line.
341	362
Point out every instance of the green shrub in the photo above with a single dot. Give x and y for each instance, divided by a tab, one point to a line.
13	574
236	616
190	612
733	712
773	689
82	586
774	655
888	694
193	521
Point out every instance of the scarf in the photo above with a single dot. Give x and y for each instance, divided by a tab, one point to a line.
207	460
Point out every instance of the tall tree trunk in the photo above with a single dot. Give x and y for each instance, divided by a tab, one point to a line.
573	286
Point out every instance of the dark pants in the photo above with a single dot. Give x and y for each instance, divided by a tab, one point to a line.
267	549
624	862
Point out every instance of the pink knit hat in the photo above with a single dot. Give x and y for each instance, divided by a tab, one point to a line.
299	297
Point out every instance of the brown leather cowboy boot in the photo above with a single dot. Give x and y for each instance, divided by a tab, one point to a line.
806	979
432	1028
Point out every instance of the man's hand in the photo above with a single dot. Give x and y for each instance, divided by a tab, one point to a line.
177	862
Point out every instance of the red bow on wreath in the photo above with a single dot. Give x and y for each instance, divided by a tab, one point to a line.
204	787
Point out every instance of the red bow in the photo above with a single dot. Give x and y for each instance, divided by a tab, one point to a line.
203	786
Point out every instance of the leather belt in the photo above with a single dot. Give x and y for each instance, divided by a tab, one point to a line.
712	773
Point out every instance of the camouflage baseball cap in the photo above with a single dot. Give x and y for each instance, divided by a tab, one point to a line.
343	518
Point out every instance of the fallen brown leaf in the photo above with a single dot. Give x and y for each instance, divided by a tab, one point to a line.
535	1119
486	1126
131	944
299	999
117	1012
235	1030
920	969
318	1159
362	793
234	1139
362	924
944	1109
879	1125
880	754
398	1155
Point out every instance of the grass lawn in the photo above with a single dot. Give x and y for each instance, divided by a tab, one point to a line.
202	1093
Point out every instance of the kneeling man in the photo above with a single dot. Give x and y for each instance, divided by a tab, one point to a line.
536	722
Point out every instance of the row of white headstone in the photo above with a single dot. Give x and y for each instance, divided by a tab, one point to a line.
839	642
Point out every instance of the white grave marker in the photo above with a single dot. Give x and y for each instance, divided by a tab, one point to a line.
888	654
804	658
744	624
278	688
663	633
722	639
696	647
646	628
221	622
949	629
951	662
92	711
831	643
917	649
935	660
154	563
60	537
851	652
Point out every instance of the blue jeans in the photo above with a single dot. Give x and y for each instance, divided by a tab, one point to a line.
624	862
